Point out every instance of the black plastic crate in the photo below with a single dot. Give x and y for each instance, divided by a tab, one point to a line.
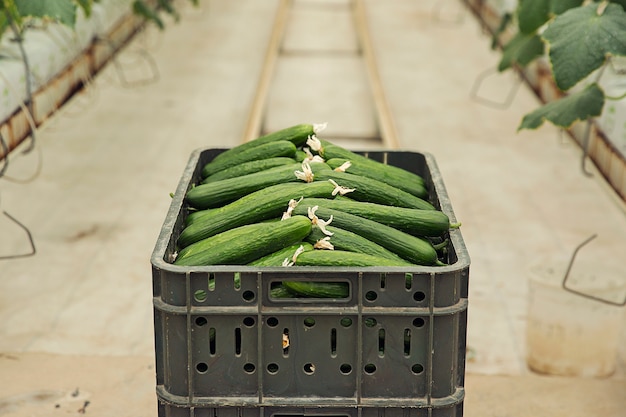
395	346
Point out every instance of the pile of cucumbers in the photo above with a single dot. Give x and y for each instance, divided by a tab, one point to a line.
289	198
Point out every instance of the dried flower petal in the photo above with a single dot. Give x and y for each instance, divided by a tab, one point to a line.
310	157
306	174
340	190
319	222
344	167
298	251
292	205
314	143
318	127
324	243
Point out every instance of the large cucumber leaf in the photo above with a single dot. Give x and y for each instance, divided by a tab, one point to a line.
581	39
577	106
560	6
63	11
141	8
532	14
521	49
620	2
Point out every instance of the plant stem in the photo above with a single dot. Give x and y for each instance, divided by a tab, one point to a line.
29	93
587	136
616	98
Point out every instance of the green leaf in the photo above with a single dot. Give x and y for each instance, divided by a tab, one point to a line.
580	40
85	5
532	14
9	13
577	106
63	11
505	21
521	50
560	6
620	2
3	22
168	7
142	9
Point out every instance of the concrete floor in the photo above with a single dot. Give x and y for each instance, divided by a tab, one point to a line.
76	319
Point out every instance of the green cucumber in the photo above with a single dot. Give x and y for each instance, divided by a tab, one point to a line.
318	289
241	245
277	258
216	194
278	290
331	151
267	150
249	167
340	258
195	215
374	191
297	134
345	240
430	223
408	247
380	172
253	208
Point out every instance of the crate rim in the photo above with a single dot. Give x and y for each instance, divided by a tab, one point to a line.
176	205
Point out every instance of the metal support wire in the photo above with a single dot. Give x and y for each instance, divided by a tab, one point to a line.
500	105
31	242
120	70
437	14
582	294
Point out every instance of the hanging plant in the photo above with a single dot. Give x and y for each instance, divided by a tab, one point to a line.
151	10
580	38
15	14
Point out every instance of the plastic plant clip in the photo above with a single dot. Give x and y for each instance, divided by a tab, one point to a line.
582	294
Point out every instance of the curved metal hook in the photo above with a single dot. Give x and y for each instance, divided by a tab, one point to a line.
32	252
582	294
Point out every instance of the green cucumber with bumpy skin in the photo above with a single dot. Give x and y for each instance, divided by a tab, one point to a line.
278	290
340	258
431	223
374	191
241	245
297	134
380	172
281	148
216	194
194	215
249	167
253	208
345	240
328	150
408	247
317	289
278	258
